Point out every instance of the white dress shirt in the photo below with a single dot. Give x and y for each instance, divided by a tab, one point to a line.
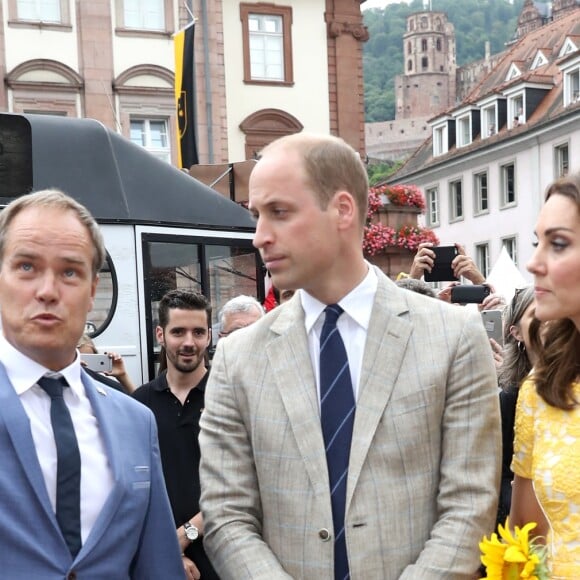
352	325
96	473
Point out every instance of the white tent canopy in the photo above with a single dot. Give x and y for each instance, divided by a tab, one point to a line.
505	276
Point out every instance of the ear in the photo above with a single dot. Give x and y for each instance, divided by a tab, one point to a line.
346	209
208	336
516	333
159	335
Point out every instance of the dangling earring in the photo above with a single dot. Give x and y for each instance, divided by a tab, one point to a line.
521	346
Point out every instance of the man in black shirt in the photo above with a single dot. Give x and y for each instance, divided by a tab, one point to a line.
176	399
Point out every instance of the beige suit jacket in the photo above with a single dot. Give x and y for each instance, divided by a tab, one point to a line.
425	456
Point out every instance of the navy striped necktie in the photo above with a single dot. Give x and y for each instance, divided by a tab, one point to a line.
337	409
68	469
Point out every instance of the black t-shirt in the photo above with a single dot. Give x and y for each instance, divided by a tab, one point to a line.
178	427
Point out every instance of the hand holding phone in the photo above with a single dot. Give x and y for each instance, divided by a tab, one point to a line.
100	363
442	270
492	322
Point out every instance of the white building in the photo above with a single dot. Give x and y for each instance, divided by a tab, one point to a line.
489	160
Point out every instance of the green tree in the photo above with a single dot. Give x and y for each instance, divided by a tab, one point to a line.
475	22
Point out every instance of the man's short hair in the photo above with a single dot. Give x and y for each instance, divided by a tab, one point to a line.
241	303
54	198
330	165
182	300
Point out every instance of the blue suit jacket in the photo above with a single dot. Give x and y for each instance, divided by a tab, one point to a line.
134	535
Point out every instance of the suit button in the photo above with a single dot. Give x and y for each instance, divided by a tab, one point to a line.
324	534
71	576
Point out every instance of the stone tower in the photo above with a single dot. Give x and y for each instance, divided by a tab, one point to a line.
427	85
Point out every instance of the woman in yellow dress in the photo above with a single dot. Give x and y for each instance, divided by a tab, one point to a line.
547	433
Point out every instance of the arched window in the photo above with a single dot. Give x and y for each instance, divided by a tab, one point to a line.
262	127
424	63
45	86
409	65
146	109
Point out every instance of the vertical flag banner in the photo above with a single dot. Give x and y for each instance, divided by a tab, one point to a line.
185	97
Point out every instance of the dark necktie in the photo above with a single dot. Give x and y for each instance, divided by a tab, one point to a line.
68	471
337	407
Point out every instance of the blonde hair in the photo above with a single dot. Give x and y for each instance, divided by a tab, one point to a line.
54	198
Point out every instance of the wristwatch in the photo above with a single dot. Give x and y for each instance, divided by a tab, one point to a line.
191	532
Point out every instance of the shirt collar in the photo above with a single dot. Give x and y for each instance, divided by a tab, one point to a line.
358	303
161	384
24	372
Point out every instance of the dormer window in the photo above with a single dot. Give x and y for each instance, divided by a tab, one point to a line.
493	114
516	111
467	123
539	60
513	73
489	121
523	99
443	135
440	140
571	75
463	130
567	48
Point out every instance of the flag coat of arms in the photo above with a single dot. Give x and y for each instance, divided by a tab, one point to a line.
185	96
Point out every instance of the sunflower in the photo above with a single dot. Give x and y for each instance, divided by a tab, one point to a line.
515	556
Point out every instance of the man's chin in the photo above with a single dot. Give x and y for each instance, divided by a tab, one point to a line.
188	368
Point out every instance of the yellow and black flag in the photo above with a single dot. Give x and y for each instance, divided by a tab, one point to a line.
185	96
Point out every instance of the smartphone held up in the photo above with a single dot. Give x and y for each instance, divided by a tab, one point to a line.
470	293
100	363
442	270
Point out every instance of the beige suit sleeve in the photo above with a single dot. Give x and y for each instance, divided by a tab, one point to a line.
230	500
470	462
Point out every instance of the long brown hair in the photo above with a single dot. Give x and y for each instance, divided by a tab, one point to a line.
558	365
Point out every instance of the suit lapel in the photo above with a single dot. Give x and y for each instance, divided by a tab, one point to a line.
18	426
289	358
99	399
387	339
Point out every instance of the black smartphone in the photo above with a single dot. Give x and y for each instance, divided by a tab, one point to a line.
442	270
469	293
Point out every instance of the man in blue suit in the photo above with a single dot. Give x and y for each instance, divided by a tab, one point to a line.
81	488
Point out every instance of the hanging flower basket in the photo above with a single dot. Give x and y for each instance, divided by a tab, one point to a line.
379	237
400	195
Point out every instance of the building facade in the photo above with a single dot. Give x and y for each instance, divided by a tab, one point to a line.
489	159
261	69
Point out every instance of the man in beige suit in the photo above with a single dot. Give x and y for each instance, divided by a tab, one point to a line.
420	486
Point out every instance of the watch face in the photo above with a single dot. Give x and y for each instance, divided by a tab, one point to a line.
191	533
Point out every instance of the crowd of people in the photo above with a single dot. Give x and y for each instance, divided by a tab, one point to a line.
361	429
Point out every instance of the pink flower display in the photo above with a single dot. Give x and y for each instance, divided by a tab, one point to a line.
402	195
378	236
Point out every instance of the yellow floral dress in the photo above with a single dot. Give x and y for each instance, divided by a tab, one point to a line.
547	451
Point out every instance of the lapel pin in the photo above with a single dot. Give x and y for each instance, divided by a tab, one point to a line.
101	391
